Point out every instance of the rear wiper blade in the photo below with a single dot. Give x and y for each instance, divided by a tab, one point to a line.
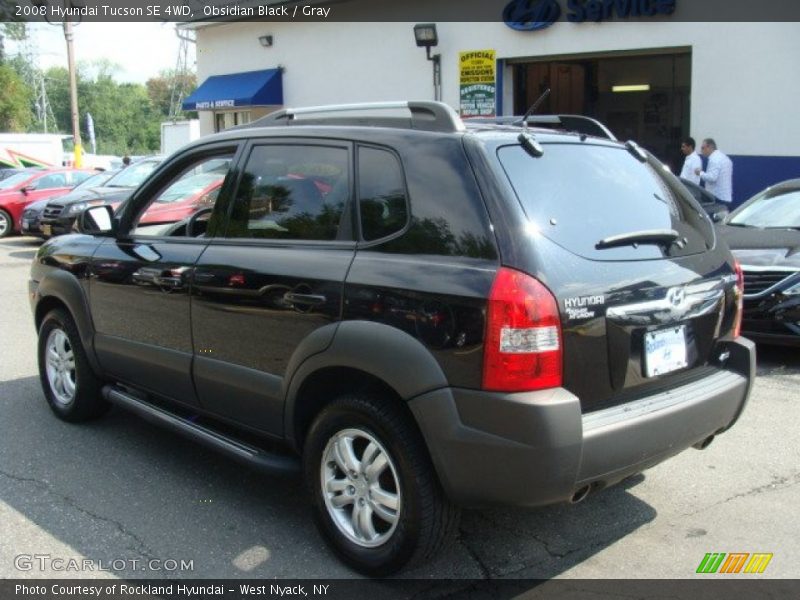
658	237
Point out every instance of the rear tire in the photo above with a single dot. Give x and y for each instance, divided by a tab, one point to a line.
6	224
376	498
70	386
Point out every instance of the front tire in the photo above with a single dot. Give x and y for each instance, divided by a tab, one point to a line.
376	497
6	224
70	386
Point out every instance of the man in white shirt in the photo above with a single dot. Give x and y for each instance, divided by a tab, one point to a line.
719	172
692	161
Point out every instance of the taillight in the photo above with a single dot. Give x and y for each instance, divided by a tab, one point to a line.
523	335
739	295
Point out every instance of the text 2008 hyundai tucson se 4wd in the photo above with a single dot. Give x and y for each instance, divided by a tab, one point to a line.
423	315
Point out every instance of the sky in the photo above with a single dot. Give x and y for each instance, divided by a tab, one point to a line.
140	49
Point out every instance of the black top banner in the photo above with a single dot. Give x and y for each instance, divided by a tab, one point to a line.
519	14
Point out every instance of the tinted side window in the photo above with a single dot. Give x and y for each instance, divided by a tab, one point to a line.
190	195
80	177
296	192
54	180
381	193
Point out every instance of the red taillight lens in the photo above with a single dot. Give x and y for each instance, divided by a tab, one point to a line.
523	335
739	294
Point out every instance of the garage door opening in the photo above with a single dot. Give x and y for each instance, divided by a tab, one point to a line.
645	98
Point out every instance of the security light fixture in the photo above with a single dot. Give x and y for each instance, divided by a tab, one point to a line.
425	34
266	41
426	37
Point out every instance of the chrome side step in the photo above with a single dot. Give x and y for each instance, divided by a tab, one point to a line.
256	457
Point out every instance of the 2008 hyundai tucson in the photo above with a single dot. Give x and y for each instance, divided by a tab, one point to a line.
423	315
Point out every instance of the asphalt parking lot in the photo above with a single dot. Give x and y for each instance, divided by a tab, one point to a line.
119	490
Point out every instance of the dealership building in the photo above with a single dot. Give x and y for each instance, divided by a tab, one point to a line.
653	80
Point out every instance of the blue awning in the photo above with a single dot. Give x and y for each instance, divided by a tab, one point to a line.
253	88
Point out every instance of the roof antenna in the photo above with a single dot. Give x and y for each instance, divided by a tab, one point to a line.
533	108
527	140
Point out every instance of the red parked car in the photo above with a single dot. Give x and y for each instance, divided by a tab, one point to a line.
20	190
184	198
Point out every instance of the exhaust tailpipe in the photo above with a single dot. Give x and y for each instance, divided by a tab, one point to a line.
704	444
580	494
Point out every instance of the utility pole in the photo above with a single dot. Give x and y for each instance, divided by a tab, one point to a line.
73	94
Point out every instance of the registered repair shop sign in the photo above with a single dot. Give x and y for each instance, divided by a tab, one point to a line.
477	74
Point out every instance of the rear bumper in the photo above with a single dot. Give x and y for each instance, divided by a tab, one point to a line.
537	448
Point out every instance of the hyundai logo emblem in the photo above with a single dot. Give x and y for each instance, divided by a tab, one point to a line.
676	296
531	15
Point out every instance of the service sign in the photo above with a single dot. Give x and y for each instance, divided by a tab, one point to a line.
477	78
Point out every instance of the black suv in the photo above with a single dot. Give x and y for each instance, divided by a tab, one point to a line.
417	314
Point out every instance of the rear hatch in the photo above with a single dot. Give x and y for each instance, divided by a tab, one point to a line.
630	257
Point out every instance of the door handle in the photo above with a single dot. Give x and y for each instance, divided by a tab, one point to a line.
168	282
203	277
304	299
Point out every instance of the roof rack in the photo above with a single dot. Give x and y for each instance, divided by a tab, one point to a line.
573	123
421	115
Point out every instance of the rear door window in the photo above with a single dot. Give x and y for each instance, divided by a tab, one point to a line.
53	180
293	192
579	194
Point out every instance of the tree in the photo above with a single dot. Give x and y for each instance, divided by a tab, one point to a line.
11	31
57	81
15	101
127	116
125	121
161	89
15	98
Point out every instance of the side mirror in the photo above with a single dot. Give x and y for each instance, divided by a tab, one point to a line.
27	188
97	220
718	217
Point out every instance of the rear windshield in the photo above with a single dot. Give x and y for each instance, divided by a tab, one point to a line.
579	194
133	175
96	180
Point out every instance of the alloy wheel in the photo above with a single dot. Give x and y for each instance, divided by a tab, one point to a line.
360	487
60	367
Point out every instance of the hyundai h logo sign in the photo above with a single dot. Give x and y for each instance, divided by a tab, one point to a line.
532	15
676	296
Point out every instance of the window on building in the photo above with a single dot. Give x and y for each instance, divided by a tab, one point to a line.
225	120
219	122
